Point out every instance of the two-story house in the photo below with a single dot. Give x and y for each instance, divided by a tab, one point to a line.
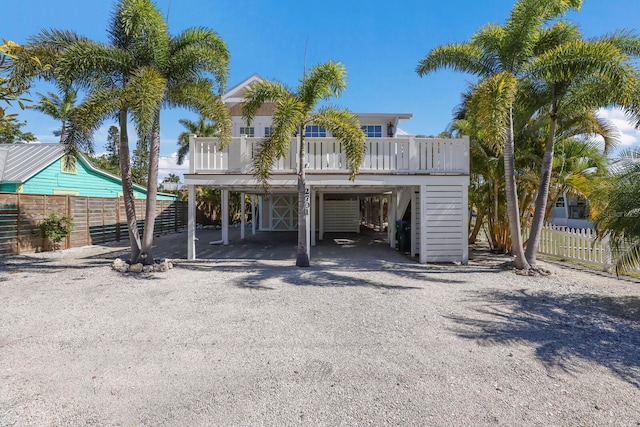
423	179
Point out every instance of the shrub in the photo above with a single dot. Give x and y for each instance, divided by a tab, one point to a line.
55	228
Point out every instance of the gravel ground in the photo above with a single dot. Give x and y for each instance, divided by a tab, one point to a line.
353	340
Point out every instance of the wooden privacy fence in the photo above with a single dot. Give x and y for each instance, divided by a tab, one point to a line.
95	220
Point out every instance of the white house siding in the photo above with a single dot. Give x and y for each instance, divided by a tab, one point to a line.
341	216
444	219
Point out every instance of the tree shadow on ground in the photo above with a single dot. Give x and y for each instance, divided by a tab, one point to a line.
257	274
566	330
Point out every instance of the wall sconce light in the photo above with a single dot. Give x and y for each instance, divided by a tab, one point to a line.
390	130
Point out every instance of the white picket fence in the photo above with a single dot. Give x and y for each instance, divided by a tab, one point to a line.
575	244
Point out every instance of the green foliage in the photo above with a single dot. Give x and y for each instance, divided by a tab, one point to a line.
110	161
55	228
11	132
619	220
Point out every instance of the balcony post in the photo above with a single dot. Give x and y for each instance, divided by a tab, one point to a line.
192	153
414	154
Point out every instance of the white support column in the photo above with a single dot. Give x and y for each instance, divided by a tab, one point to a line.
381	213
242	214
313	217
391	213
253	214
423	224
261	212
307	207
191	223
321	215
465	224
225	217
414	224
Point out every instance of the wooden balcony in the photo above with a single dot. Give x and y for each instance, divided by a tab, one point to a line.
399	156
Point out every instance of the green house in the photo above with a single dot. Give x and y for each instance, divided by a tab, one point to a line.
46	169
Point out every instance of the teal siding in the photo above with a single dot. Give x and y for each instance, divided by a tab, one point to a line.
86	182
7	188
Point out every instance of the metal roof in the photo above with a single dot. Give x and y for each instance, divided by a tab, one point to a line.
22	161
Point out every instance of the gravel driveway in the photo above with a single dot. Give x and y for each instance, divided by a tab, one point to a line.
353	340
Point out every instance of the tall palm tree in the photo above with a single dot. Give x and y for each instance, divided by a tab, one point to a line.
589	75
499	55
293	112
59	108
142	70
203	127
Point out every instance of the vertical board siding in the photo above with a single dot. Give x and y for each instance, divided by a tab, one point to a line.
341	216
95	220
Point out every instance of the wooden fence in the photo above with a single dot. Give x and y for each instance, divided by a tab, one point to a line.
95	220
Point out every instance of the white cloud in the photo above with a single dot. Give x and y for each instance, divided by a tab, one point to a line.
169	164
628	134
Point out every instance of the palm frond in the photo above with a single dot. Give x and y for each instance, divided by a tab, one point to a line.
260	93
464	57
323	81
345	127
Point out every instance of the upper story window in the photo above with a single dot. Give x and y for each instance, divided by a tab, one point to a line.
315	131
372	131
268	131
248	130
560	202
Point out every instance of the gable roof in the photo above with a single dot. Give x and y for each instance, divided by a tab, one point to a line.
19	162
235	94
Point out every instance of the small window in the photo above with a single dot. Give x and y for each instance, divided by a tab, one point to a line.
268	131
68	164
560	202
20	188
248	130
372	131
315	131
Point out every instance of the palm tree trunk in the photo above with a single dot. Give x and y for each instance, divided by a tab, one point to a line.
476	227
302	257
512	198
127	187
152	192
543	192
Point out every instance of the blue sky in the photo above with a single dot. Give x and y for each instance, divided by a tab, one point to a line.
380	44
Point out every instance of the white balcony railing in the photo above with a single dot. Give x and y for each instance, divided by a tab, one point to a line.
327	155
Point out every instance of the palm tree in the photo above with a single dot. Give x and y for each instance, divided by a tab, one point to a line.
573	76
59	108
293	112
142	70
203	127
619	220
499	55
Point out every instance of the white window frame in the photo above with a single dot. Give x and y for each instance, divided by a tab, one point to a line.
371	131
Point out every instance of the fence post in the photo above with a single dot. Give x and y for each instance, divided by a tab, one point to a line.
69	215
18	226
606	248
117	219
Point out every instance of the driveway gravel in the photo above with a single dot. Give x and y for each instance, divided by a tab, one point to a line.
359	338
